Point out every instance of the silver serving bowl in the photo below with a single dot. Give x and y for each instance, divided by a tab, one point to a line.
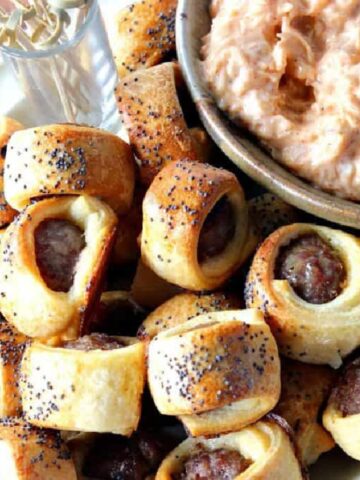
192	23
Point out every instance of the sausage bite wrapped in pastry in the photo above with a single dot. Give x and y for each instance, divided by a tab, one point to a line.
262	451
52	263
12	346
7	127
69	159
143	34
154	120
93	384
31	453
304	389
195	225
184	307
342	414
306	280
218	372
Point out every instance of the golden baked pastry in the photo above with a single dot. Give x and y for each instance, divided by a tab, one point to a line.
223	367
126	246
31	453
262	451
68	159
183	307
52	264
7	127
203	144
304	390
268	213
93	384
342	414
149	290
154	120
195	225
305	278
12	346
143	35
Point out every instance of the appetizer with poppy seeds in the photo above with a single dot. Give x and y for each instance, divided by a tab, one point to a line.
219	371
53	258
305	278
195	230
67	159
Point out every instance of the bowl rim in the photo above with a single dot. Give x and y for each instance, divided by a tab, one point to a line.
243	152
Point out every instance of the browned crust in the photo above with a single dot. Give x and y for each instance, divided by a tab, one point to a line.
144	35
7	127
344	394
149	290
126	247
37	452
154	120
305	389
63	159
12	347
174	210
184	307
282	423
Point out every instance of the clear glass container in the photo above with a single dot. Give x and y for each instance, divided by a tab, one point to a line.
72	82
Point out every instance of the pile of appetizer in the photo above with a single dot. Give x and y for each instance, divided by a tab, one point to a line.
156	324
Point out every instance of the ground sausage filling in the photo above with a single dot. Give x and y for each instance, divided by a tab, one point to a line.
58	244
217	231
313	269
95	341
114	457
217	465
346	394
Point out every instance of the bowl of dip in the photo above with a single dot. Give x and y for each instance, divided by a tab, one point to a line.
238	144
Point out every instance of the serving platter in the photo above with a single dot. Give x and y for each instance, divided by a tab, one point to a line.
192	23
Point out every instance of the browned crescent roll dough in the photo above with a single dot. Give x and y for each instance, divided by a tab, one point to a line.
93	384
143	34
154	120
69	159
7	127
12	346
304	389
195	226
306	280
342	414
149	290
52	264
183	307
31	453
262	451
222	366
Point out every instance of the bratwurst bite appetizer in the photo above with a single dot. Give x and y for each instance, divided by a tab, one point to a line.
69	159
219	372
52	261
92	384
305	278
195	225
262	451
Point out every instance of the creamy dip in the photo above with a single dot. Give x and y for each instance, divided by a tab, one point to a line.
289	70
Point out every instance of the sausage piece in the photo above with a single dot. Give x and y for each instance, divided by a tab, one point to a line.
58	244
95	341
217	465
217	231
312	268
346	394
114	457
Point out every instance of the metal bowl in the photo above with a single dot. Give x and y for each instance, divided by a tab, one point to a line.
192	23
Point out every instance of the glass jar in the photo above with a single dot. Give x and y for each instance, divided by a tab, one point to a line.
72	82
